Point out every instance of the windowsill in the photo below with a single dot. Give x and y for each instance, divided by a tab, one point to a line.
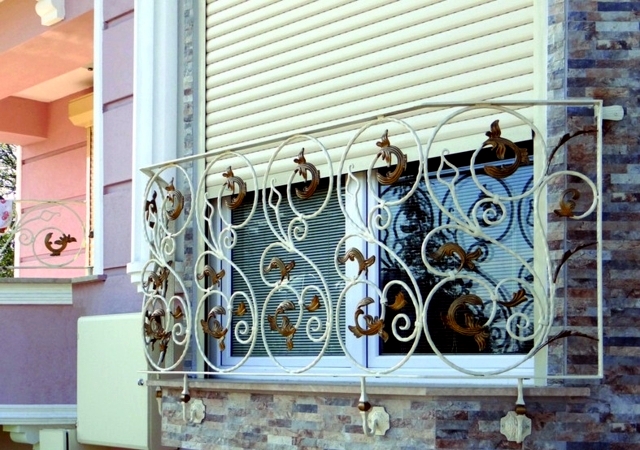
379	390
88	279
43	414
42	291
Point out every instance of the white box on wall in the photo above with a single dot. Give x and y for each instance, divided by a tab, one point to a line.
113	408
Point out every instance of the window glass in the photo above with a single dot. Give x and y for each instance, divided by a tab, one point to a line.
451	323
323	235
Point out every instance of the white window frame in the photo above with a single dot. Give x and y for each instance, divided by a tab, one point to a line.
155	105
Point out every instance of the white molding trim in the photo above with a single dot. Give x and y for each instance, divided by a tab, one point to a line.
50	11
155	107
97	194
36	293
40	415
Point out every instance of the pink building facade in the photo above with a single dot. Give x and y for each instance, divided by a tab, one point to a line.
67	83
93	91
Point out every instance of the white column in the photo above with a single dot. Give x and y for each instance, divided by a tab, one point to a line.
155	103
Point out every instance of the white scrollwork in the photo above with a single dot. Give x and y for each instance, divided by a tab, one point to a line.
421	253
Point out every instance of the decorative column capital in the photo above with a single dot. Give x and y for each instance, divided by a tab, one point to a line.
50	11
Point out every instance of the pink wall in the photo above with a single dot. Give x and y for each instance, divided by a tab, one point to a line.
23	121
57	50
56	169
40	341
25	23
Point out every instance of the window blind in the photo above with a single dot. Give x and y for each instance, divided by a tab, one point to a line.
323	235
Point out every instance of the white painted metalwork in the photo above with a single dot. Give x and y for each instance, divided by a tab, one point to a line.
190	305
46	236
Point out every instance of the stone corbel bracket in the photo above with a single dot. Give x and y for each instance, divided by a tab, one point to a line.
50	11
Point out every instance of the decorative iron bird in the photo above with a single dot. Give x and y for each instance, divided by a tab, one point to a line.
64	240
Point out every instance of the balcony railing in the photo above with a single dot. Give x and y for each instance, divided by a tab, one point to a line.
43	239
337	251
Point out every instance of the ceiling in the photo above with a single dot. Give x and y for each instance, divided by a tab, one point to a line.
60	86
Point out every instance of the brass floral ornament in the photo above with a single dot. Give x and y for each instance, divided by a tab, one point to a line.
386	152
151	210
213	276
353	254
500	145
177	313
231	184
399	302
241	310
285	269
373	325
314	305
154	331
61	243
157	280
472	326
176	200
212	326
568	203
518	298
466	259
284	328
306	170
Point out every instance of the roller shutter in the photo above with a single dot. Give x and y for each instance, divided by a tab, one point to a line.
276	68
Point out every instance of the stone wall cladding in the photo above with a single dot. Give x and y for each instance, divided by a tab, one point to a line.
594	51
189	146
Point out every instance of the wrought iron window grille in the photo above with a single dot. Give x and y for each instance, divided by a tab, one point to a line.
43	238
190	302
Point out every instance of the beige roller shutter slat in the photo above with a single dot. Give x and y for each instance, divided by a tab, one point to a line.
286	67
378	98
440	63
347	37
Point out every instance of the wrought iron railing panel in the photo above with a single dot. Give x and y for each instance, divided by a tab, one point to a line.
305	263
43	238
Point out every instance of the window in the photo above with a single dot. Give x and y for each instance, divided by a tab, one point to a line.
273	70
420	216
302	263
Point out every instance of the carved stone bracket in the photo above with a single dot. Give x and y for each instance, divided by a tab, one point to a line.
196	411
50	11
516	425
